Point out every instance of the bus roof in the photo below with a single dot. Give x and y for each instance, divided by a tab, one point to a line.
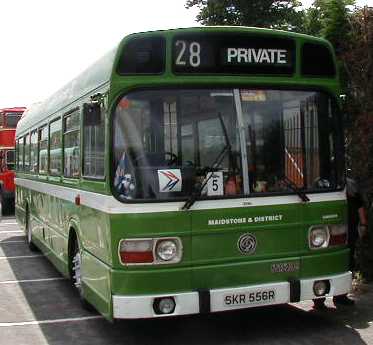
13	110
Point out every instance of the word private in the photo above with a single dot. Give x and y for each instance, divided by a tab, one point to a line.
251	55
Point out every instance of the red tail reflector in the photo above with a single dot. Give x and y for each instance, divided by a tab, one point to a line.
136	257
338	234
338	240
136	251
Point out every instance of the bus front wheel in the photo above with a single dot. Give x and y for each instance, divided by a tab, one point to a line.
76	274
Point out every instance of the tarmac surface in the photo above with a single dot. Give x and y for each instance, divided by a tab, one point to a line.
38	306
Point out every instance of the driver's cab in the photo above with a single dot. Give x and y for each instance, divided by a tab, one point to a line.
152	175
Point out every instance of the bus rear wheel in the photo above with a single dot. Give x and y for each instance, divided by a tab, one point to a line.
76	274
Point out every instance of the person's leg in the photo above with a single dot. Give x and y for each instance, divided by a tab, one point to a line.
352	239
343	299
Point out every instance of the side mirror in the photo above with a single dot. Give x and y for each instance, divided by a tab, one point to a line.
91	114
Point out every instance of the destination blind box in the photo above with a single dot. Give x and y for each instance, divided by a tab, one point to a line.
232	54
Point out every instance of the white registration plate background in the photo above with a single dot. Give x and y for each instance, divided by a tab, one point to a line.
266	294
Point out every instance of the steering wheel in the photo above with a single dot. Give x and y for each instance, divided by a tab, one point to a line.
321	183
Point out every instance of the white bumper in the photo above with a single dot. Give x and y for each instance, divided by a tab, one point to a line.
137	307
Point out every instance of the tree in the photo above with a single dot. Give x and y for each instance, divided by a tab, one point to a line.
357	58
329	19
260	13
358	62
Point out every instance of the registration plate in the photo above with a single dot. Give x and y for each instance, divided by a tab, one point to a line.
251	297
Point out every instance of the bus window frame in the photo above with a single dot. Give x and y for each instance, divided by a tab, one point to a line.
21	158
82	145
79	129
17	153
40	130
12	114
26	145
6	159
36	132
50	123
294	87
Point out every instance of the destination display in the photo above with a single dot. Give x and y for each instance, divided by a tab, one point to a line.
232	54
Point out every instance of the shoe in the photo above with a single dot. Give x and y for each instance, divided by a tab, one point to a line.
319	304
343	300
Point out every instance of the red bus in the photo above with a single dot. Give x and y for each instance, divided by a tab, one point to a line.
9	118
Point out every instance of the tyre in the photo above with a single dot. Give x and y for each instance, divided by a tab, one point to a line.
30	244
76	274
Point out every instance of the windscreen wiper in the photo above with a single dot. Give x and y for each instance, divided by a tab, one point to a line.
290	184
227	148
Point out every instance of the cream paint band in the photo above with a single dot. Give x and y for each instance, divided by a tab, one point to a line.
108	204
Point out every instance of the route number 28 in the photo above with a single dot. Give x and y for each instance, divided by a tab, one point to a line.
188	53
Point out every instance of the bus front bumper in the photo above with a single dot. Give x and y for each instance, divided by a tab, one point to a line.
215	300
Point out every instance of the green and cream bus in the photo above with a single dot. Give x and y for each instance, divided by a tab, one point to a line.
191	171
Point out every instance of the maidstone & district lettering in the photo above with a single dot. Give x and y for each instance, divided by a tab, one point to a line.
244	220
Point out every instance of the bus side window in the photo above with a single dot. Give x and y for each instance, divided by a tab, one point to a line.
34	152
10	159
55	148
71	144
18	147
93	141
21	153
43	150
26	153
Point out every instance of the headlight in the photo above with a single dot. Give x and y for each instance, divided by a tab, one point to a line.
319	237
166	250
150	251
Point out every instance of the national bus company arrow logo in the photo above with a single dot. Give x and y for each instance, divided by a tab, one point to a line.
170	180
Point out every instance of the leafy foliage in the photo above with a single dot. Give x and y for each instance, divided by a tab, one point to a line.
329	19
358	62
351	33
260	13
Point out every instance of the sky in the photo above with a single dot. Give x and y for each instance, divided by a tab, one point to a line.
46	43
